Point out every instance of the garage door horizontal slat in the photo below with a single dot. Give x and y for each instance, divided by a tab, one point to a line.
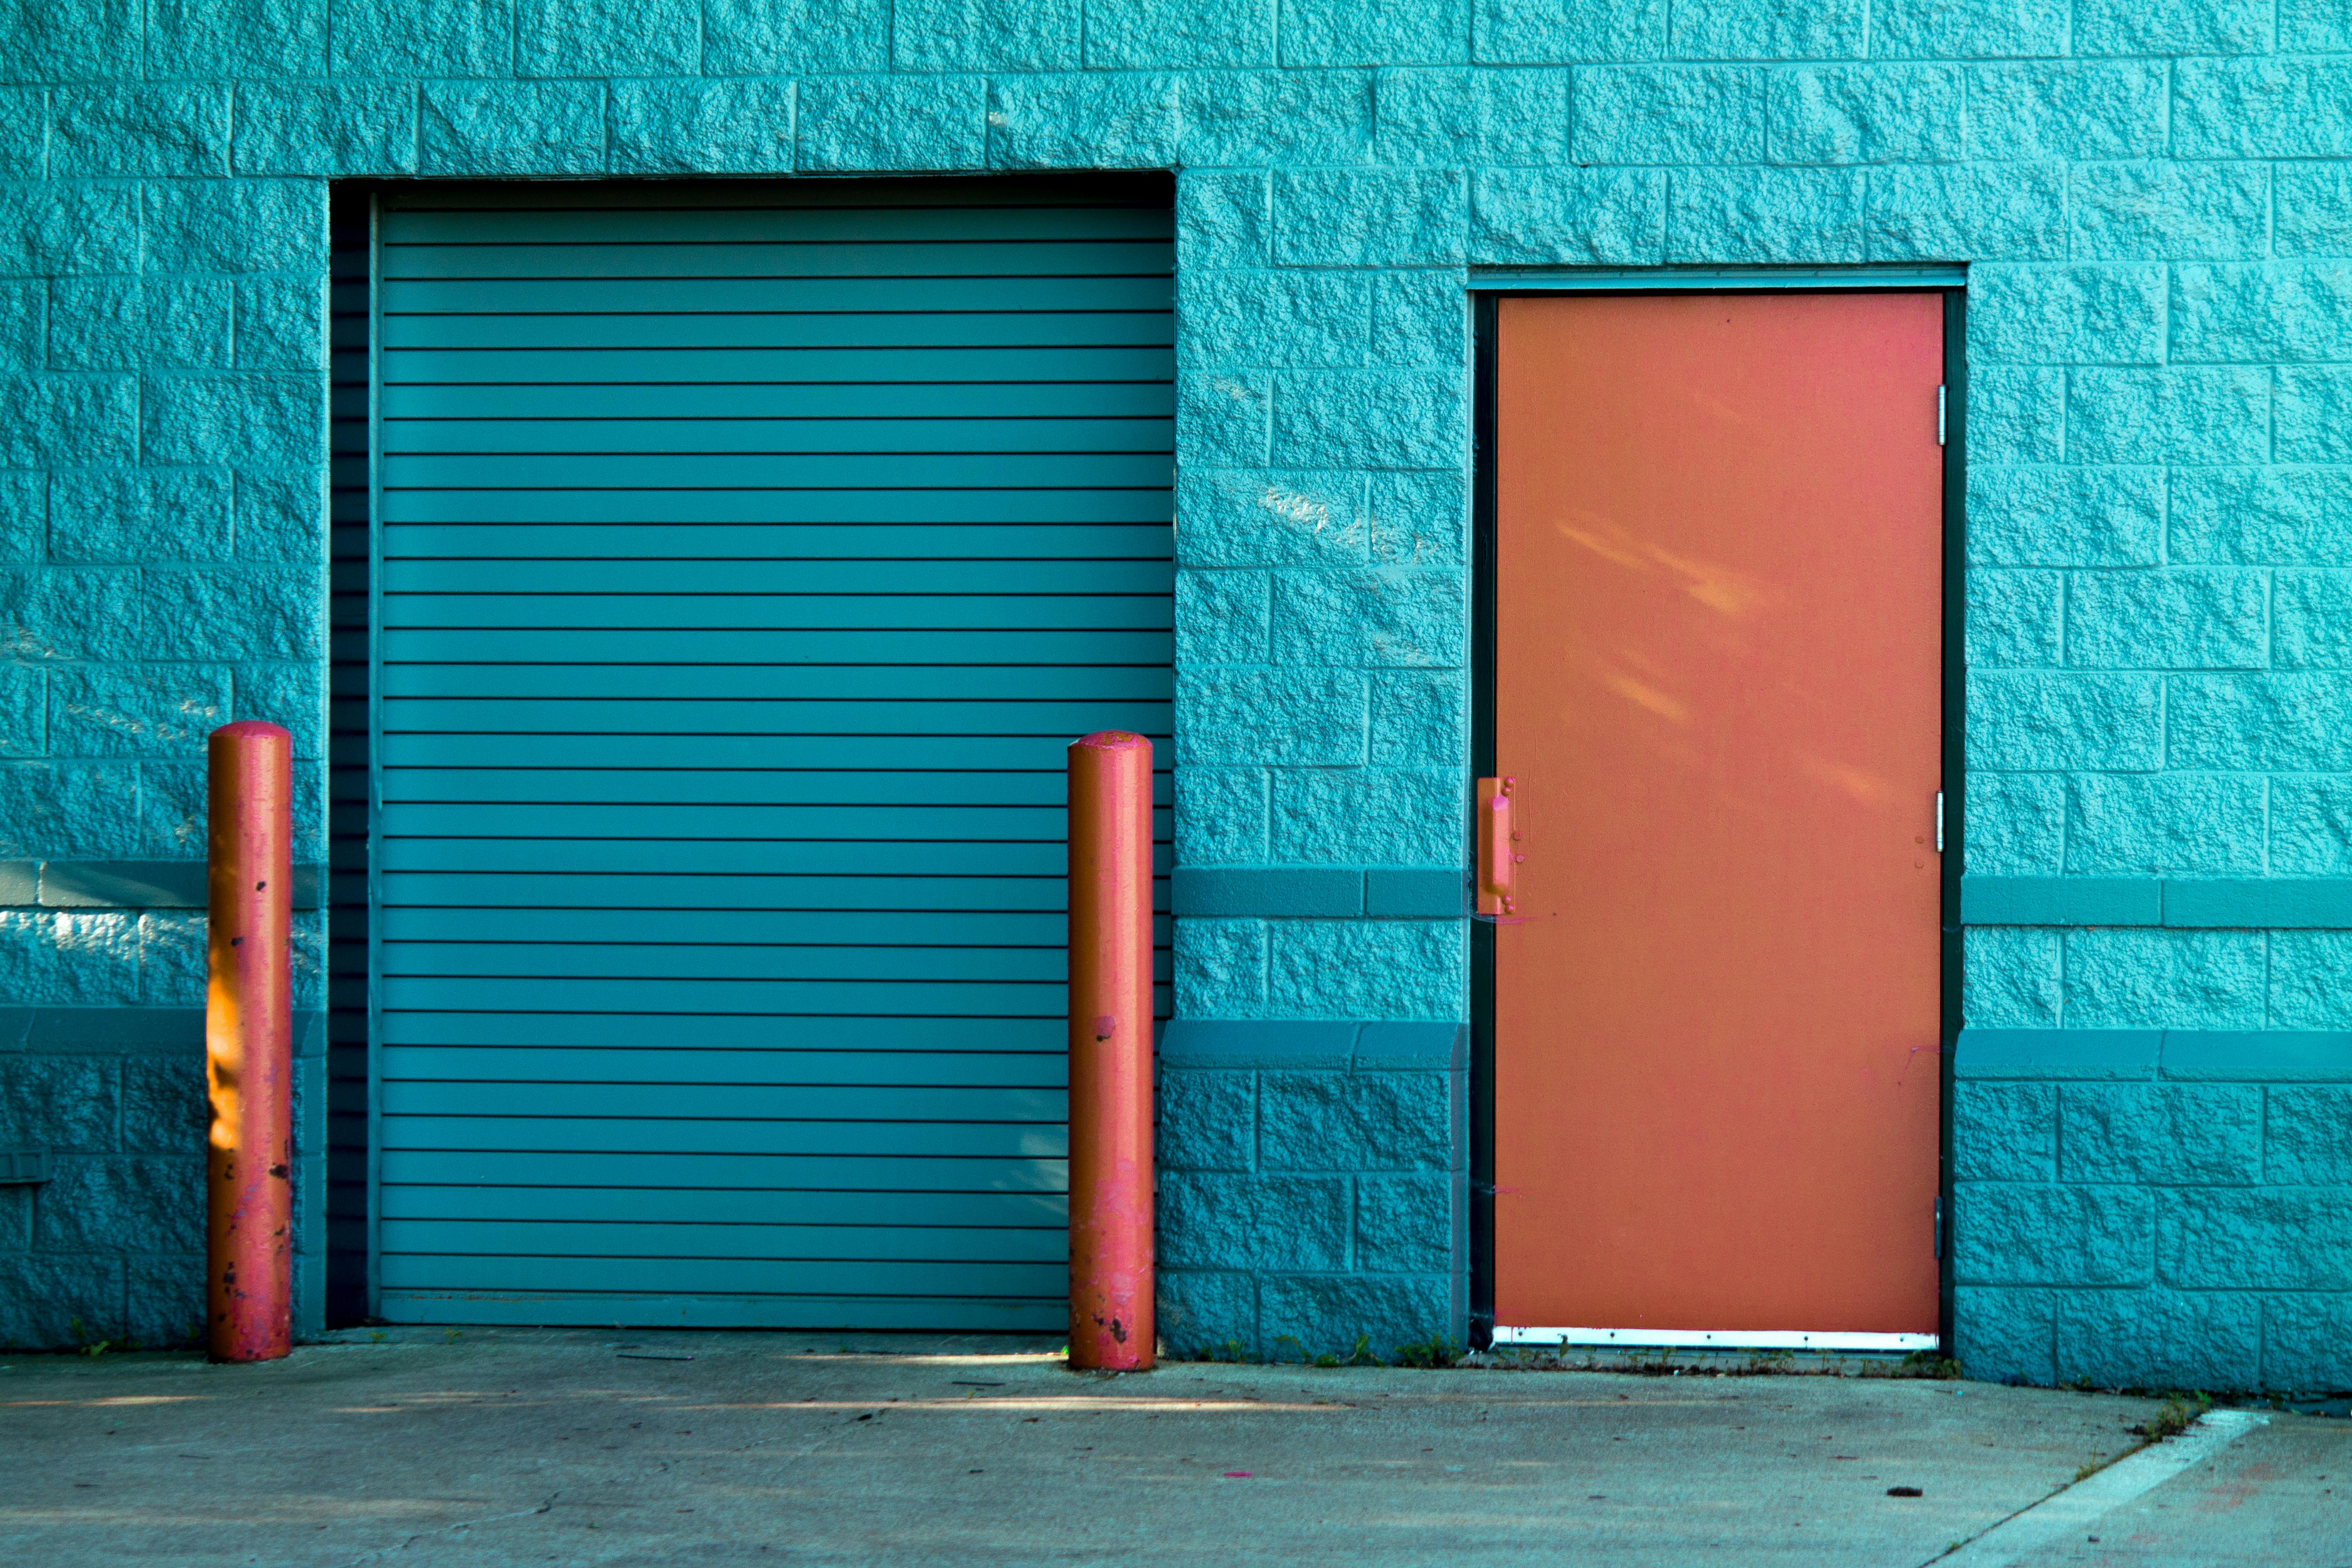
653	539
559	644
830	754
893	520
715	1309
654	1029
1033	999
777	258
874	610
777	1103
860	683
926	469
452	1066
779	211
480	1166
1139	349
498	300
738	856
541	345
832	400
747	963
777	1276
693	1238
735	1205
650	431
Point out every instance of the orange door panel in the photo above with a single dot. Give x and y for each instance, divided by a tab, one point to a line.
1717	690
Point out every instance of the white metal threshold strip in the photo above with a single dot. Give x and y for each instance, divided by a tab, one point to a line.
1716	1338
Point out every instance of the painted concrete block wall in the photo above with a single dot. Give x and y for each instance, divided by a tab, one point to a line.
2153	203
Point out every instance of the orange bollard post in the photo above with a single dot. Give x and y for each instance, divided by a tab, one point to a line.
1111	1322
249	1045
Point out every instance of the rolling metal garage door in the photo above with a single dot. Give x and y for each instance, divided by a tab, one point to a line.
746	556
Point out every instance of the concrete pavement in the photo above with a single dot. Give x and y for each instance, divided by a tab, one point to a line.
494	1447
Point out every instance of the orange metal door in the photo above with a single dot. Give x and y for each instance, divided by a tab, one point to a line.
1717	690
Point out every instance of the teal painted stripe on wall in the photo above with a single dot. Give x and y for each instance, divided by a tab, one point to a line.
2253	903
2217	1056
746	569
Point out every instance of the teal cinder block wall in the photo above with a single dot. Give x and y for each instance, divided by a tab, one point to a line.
2155	207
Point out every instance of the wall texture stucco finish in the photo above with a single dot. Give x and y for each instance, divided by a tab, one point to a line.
2153	203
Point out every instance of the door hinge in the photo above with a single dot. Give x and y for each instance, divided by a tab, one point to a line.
1939	821
1939	417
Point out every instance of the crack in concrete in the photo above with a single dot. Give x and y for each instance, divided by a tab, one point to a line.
403	1544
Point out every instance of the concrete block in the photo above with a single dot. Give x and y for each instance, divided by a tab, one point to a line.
2182	415
2308	972
51	229
2066	112
2237	1238
200	39
15	1218
64	423
1224	418
165	1110
134	514
94	324
1417	718
2179	823
1220	816
68	1105
2306	1343
607	38
59	1303
1835	29
23	516
2022	1233
1221	968
2158	979
1223	219
2263	516
282	323
51	810
1567	216
172	809
238	614
1373	617
1252	318
1669	114
1374	32
188	322
1367	969
1200	1312
1208	1122
53	615
2161	1135
2169	211
1327	1314
513	128
2311	415
1337	217
264	420
985	36
893	123
2172	28
2265	311
1420	319
330	130
1261	517
2009	977
282	517
2311	211
1981	212
690	125
69	40
23	327
24	710
2035	516
2311	619
1404	1225
1540	32
238	226
172	960
136	710
1864	114
1394	419
2314	27
2006	1336
2004	1132
2308	1136
1384	815
164	1296
1212	33
396	38
148	1204
1812	215
2061	315
2159	1339
1419	519
24	133
2311	827
2027	719
2258	721
1094	121
758	37
165	128
2190	617
2261	109
1458	118
1258	118
1213	1220
2016	823
1969	29
1220	616
2013	618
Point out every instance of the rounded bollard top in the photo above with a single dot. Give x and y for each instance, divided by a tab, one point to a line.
1111	740
252	729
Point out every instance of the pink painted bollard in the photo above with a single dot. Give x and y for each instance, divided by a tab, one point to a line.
249	1046
1111	1323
